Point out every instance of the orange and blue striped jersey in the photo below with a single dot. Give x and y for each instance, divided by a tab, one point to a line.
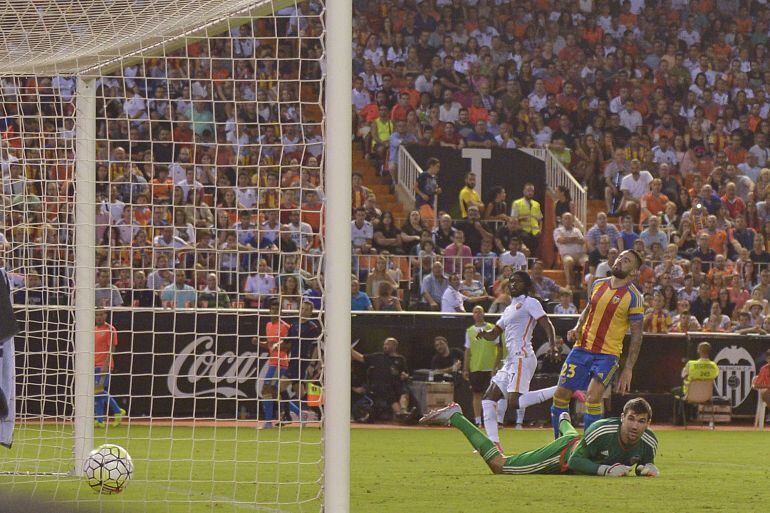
657	322
610	312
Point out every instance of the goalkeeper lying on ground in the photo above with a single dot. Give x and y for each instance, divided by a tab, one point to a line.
610	447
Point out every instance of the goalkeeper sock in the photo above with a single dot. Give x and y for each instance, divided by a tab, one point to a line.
593	413
557	408
481	443
536	397
566	428
502	407
490	419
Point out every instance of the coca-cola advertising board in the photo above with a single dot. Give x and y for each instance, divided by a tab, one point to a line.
187	364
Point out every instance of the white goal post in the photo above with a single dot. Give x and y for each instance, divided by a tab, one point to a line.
93	40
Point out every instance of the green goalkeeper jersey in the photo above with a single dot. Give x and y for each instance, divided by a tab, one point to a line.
601	445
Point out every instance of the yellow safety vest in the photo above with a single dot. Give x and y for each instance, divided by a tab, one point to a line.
523	209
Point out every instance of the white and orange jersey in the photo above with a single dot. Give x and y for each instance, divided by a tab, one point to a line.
518	322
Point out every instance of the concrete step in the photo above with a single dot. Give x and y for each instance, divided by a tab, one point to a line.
556	275
385	199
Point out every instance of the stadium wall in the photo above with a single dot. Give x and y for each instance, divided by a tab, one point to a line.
174	364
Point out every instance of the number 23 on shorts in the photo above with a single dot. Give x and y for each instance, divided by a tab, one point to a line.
567	370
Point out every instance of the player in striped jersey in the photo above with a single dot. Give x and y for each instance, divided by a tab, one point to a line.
610	447
614	306
511	382
657	319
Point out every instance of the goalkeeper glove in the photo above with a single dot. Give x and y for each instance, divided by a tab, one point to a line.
616	470
648	470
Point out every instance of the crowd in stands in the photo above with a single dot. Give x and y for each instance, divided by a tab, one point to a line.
208	173
658	108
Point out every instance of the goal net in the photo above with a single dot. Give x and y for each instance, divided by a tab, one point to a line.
161	221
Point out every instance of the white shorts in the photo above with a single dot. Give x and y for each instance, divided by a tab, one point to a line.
515	374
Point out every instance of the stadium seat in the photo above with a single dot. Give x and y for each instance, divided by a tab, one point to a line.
698	392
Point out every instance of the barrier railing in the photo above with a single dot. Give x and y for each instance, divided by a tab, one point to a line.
408	171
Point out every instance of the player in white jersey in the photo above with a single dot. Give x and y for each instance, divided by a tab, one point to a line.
511	382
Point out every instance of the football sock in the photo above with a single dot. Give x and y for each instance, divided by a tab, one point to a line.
112	405
481	443
502	407
593	413
536	397
490	419
566	428
477	421
520	415
557	408
269	407
100	406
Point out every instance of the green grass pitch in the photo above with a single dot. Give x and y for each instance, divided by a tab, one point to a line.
401	470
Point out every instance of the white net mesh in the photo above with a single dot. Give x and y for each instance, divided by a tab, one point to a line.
209	194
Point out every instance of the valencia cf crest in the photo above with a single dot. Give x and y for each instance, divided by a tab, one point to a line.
518	306
615	300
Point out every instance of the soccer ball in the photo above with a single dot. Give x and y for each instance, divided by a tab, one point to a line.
108	469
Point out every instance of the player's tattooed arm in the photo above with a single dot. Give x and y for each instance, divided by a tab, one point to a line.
634	346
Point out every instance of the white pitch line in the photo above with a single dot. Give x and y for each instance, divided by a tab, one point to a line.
218	498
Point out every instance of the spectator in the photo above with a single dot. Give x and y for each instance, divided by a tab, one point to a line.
683	321
614	172
571	245
179	294
139	294
106	294
596	256
634	186
716	321
505	233
653	234
444	233
426	188
474	228
452	300
744	326
527	210
388	374
260	286
469	196
657	319
33	292
513	257
654	202
457	254
565	306
379	274
445	360
359	300
485	261
627	235
385	300
543	286
213	296
362	233
602	227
